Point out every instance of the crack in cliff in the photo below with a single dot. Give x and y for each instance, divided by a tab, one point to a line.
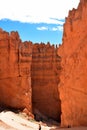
77	90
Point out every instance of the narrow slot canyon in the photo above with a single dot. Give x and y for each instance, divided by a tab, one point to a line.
44	81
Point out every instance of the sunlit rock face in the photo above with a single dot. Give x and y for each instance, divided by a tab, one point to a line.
45	80
15	71
29	74
73	51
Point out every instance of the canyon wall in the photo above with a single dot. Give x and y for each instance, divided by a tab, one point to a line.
45	79
29	75
73	51
15	72
34	77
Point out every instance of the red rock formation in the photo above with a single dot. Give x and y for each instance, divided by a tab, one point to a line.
15	76
73	86
45	79
15	71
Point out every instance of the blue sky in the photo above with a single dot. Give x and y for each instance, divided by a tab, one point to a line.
36	20
39	32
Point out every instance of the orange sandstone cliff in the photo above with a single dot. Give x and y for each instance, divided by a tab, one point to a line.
73	51
15	72
29	75
45	79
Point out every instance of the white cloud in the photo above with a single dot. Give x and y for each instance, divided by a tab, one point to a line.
60	28
36	11
42	28
57	28
54	29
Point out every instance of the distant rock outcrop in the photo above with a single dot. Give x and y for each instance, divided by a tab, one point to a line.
73	51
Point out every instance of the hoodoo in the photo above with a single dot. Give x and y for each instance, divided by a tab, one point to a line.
15	68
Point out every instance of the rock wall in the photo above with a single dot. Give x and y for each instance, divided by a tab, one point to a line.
73	51
29	73
15	71
45	79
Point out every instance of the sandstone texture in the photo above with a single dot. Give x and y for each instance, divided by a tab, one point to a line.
29	75
45	79
15	71
73	51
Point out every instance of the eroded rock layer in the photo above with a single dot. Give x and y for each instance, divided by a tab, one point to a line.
73	86
21	61
45	79
15	71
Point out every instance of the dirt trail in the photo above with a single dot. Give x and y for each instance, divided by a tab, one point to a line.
17	122
12	121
